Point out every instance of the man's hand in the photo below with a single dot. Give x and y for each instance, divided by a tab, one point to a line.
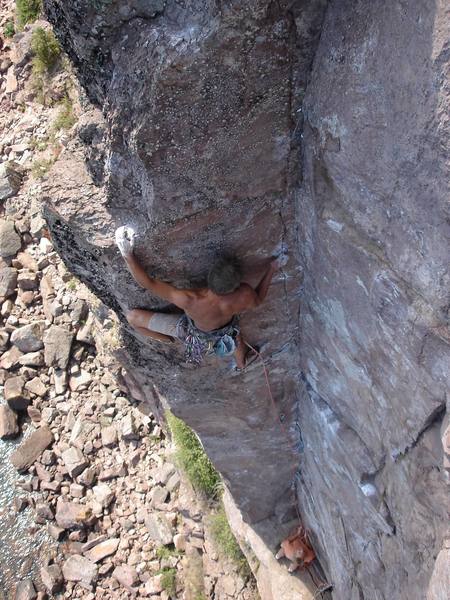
125	240
278	262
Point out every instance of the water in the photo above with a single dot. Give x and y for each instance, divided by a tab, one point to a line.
20	550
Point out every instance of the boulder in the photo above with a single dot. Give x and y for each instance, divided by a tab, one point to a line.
159	528
57	345
80	381
8	282
128	428
32	359
10	358
27	280
27	262
10	241
29	337
102	550
127	576
4	339
16	395
109	435
70	515
36	387
103	494
25	590
9	427
52	578
11	174
79	568
75	461
31	448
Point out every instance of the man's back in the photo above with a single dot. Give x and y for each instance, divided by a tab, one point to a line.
212	311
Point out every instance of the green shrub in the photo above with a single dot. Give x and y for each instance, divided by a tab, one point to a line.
169	580
40	167
8	29
27	11
225	541
46	51
192	459
65	118
167	552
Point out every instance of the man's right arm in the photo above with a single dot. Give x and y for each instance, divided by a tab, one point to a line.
253	297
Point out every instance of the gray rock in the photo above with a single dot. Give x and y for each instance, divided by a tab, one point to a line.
16	395
43	513
102	550
32	359
127	576
80	381
8	282
159	528
57	345
10	358
31	448
36	387
70	515
9	427
103	494
128	428
11	174
55	532
27	280
79	568
158	496
10	241
109	436
25	590
75	461
29	337
52	578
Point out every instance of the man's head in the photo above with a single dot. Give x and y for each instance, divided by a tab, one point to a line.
224	276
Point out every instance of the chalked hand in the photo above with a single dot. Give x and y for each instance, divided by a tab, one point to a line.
125	240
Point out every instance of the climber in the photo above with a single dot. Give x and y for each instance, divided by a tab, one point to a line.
209	323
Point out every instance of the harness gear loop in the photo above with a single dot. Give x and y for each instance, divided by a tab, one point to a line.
199	344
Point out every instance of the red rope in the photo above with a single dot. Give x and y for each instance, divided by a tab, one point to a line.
285	431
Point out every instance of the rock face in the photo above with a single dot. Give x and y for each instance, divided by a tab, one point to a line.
222	134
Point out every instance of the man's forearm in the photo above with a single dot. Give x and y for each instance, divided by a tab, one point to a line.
138	272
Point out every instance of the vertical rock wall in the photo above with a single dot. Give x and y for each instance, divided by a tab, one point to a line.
204	108
374	231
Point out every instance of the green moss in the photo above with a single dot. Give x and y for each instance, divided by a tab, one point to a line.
46	51
225	541
40	167
65	118
192	459
27	11
167	552
39	144
169	580
8	29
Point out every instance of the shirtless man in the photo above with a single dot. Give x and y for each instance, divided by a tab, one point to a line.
210	308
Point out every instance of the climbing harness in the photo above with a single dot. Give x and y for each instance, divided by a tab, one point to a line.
198	343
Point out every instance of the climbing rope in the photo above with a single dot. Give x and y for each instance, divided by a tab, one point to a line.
321	587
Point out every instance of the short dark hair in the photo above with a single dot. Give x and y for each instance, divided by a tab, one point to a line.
225	275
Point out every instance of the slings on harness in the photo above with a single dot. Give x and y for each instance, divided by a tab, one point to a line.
199	344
